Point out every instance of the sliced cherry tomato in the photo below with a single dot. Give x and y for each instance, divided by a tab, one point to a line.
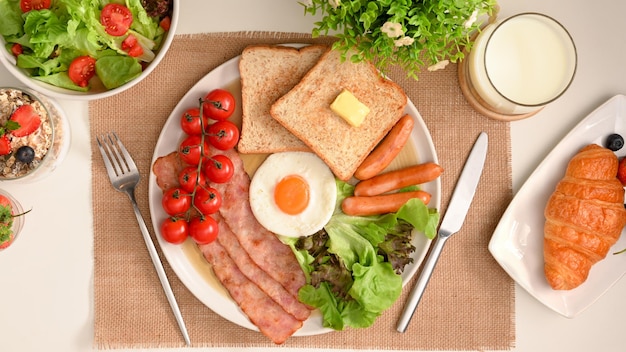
7	237
176	201
135	51
27	5
191	123
116	19
190	150
218	169
189	178
174	230
5	145
81	70
16	49
5	202
223	135
5	243
129	42
207	200
219	104
28	120
203	229
165	23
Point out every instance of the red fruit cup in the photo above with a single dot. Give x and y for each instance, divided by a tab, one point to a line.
7	238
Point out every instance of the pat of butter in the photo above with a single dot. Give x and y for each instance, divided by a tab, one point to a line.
349	108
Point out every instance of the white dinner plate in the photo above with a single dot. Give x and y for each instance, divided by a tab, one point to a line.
187	261
517	242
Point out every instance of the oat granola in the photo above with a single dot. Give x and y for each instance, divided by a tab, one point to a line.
40	141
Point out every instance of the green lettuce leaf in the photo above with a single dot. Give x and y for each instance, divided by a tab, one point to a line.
374	284
12	24
115	71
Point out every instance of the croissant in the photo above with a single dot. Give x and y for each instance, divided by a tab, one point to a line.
584	217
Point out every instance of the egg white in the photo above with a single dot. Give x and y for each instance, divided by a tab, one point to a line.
322	193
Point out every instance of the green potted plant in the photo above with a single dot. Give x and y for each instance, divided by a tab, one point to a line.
410	33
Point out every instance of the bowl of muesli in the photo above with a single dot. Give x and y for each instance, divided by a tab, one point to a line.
11	219
34	135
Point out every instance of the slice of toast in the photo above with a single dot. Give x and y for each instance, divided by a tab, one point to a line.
305	111
267	73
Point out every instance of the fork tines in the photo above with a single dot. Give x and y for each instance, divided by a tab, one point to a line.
116	158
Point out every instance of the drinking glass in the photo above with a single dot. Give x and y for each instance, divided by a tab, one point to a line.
518	65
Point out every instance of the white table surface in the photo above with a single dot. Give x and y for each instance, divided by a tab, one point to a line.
46	277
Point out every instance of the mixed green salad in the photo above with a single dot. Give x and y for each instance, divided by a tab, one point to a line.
66	42
353	265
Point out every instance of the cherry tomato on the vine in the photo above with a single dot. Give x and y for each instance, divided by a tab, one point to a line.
190	150
219	168
191	123
203	229
174	230
176	201
223	135
189	177
207	200
219	104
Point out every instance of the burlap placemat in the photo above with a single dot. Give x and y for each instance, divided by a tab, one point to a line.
468	305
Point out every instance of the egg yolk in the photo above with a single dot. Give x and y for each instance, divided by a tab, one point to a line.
292	194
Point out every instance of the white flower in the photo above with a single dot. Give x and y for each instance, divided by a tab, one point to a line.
439	65
404	41
470	21
307	3
334	3
392	30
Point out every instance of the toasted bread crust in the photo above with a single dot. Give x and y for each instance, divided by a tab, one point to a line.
267	73
305	111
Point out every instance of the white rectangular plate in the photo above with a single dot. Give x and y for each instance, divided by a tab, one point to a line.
517	242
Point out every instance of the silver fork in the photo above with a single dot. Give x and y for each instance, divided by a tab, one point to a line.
124	177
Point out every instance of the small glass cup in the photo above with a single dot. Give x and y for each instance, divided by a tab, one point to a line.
18	221
50	142
517	66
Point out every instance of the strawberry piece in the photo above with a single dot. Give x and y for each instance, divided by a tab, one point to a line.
27	118
5	145
621	171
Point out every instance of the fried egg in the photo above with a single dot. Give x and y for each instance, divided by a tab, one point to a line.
293	194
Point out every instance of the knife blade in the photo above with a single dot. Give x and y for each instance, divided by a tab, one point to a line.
452	222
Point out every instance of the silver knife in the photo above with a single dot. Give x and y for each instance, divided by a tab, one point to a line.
451	223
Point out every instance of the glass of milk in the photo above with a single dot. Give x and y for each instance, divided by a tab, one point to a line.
520	64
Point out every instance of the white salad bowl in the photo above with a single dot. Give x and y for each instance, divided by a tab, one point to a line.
97	90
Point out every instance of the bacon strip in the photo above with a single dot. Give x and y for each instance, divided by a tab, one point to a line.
166	168
266	294
270	254
262	310
246	265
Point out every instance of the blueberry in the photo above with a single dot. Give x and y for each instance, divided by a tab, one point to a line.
25	154
614	142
